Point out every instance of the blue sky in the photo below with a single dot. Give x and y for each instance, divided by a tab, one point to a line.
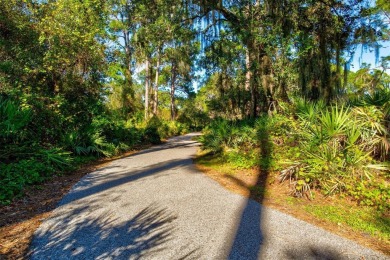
368	56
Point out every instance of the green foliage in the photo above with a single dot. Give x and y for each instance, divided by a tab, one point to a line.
218	135
50	87
235	141
37	168
156	129
55	157
15	176
14	120
379	98
372	111
193	116
306	110
337	151
333	149
372	192
150	132
242	160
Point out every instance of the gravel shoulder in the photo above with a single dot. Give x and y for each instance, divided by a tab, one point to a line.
156	205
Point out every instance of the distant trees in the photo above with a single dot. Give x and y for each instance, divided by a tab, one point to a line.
300	47
51	52
153	36
127	52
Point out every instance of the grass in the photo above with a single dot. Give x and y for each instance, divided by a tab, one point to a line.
362	219
215	162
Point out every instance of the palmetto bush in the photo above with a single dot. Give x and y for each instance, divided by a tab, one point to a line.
223	135
235	141
378	98
215	136
373	113
325	125
91	142
335	149
308	111
339	146
375	133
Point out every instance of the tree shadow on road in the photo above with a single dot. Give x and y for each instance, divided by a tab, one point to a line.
76	235
311	252
89	186
249	235
104	235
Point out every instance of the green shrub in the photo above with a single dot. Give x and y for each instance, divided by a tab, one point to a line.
117	131
156	129
308	111
40	166
235	141
194	118
337	149
242	160
14	132
151	135
371	193
15	176
217	136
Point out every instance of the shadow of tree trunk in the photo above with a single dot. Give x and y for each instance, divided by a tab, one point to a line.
249	236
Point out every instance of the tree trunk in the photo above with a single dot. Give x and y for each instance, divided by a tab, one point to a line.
253	61
326	86
147	78
283	91
345	81
173	80
248	70
266	93
126	106
128	57
338	71
282	80
155	96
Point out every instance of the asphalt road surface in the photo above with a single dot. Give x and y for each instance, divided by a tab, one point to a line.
156	205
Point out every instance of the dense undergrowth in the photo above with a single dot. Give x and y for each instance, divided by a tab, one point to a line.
42	137
335	149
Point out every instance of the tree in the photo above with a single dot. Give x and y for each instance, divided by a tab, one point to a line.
121	27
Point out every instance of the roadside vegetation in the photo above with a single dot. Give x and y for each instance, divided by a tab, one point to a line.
319	153
30	154
335	149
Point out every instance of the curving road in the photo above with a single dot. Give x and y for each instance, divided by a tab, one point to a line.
156	205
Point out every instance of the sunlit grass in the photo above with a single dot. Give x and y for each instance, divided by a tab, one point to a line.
215	162
364	219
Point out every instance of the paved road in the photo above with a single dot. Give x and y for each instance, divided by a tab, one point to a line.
156	205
